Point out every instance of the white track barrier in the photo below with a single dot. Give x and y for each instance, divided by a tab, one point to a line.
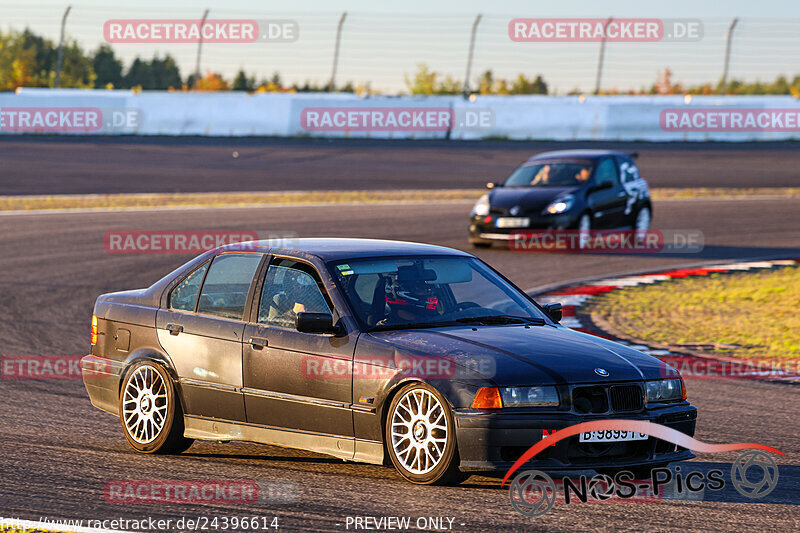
556	118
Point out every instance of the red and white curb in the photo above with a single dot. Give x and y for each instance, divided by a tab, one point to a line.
573	297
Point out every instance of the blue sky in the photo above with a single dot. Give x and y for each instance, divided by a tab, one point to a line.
385	41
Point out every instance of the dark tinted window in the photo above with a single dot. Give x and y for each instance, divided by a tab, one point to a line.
559	173
291	287
184	296
606	171
227	284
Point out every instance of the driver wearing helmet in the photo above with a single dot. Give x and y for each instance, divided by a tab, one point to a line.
410	298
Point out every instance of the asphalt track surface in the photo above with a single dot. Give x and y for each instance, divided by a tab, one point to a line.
80	165
58	451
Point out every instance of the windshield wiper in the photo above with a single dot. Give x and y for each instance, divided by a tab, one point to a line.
412	325
502	319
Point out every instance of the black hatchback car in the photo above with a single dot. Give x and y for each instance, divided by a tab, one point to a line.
565	189
408	354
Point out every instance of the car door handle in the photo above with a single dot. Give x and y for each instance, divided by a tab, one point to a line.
174	329
258	342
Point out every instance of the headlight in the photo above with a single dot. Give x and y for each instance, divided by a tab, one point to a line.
665	390
529	396
481	208
560	205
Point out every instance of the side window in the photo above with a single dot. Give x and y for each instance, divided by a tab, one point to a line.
290	287
606	171
184	296
227	284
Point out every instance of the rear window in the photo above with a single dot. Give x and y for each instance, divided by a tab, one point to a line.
227	284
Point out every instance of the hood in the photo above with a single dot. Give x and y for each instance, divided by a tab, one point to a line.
531	200
540	355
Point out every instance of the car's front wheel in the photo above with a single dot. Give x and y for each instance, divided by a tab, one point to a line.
150	412
420	436
584	230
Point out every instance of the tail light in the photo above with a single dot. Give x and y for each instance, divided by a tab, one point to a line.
94	330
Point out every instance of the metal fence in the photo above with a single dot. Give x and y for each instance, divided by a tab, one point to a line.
380	50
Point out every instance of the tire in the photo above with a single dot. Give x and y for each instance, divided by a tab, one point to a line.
481	244
642	219
584	224
414	432
641	223
150	412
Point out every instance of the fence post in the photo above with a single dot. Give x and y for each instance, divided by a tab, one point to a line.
336	51
60	59
600	59
470	54
728	40
199	45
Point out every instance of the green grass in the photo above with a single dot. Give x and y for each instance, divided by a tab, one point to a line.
758	311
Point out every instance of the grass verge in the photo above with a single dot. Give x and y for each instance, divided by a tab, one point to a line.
282	198
755	313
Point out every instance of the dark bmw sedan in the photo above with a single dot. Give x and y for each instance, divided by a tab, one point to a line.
382	352
564	190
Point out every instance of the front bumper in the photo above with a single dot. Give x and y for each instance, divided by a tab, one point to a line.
482	231
490	441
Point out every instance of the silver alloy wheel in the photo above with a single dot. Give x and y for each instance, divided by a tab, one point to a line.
584	228
145	404
643	219
419	431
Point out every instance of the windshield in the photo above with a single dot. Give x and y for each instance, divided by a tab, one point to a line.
404	292
551	174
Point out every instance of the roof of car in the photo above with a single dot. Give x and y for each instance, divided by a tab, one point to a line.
581	154
331	249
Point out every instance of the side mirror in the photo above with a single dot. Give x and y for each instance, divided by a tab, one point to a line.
554	311
492	185
320	323
602	186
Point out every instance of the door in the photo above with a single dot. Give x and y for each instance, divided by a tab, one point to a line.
608	198
202	333
294	380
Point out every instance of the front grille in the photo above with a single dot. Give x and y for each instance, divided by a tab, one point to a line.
626	398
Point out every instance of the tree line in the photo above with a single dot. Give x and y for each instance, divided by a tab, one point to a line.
28	60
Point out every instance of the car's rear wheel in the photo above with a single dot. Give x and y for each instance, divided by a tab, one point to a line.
420	436
642	222
150	412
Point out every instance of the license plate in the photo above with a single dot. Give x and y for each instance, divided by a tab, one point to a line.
611	436
512	222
